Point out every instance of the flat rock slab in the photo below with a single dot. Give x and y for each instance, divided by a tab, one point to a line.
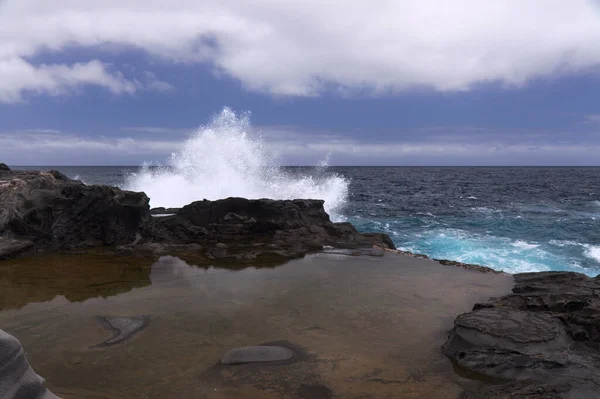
256	354
515	325
122	327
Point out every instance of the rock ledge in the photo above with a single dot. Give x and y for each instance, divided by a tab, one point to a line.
541	341
47	211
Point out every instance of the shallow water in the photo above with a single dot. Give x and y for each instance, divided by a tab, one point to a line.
370	326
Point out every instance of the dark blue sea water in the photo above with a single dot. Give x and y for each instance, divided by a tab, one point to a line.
514	219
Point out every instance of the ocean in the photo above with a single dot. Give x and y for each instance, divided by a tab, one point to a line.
514	219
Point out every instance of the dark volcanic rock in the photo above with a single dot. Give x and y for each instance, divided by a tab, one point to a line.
17	378
54	212
47	211
4	167
543	340
243	230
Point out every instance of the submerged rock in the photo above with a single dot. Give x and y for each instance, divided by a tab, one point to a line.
48	212
123	328
543	339
17	378
256	354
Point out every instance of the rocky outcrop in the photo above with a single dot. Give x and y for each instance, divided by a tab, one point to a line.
17	378
49	212
541	341
242	230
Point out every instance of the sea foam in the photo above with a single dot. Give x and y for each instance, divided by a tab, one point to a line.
592	252
223	160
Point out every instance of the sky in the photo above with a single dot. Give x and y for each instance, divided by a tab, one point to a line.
355	82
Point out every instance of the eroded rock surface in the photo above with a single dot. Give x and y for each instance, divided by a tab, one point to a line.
243	230
541	341
47	211
122	327
17	378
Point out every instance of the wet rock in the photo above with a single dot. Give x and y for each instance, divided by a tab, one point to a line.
47	211
468	266
10	248
54	212
123	328
256	354
250	229
543	340
17	378
4	167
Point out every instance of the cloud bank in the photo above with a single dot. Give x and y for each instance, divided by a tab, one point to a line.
295	49
296	146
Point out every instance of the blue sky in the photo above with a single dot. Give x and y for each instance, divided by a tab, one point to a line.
407	82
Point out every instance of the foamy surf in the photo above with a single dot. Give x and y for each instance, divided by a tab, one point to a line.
223	160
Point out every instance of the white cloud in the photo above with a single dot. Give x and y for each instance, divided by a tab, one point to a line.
295	48
51	147
18	76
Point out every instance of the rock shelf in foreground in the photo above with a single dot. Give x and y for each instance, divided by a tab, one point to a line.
17	378
47	211
541	341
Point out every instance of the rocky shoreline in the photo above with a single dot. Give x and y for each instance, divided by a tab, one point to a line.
48	212
540	341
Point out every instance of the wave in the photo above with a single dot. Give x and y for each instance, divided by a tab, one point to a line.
500	253
524	245
222	160
564	243
592	252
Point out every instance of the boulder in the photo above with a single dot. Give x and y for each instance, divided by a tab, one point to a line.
543	339
17	378
54	212
260	227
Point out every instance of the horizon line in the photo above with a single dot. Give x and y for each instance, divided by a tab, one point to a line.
328	166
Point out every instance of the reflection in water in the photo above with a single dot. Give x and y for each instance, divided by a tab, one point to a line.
76	277
371	327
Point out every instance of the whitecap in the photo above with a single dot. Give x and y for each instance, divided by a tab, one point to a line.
564	243
524	245
592	252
